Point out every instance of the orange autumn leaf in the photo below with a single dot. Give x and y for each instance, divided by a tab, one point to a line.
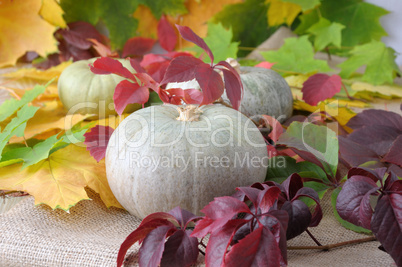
199	12
22	29
60	180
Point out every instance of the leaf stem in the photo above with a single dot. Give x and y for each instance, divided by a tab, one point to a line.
331	246
313	237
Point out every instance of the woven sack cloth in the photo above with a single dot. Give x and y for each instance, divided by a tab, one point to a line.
91	234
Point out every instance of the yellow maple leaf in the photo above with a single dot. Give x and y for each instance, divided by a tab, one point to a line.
60	180
282	12
384	91
329	108
52	13
22	29
38	75
199	12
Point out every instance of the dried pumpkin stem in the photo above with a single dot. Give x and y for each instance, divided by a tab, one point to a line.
189	113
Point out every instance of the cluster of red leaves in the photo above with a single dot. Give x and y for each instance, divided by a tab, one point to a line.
376	138
353	204
246	229
155	71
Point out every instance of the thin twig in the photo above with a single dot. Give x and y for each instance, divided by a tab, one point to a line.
331	246
313	237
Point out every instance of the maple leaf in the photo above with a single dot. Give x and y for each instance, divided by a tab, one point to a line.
379	60
296	55
326	33
280	12
319	87
23	30
59	180
52	13
219	40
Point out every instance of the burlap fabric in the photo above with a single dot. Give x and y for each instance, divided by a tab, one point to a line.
91	234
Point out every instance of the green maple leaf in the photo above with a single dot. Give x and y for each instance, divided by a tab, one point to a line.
296	56
326	33
304	4
379	61
360	19
249	23
17	125
307	20
171	7
220	42
9	107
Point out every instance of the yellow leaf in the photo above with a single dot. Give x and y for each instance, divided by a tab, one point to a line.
329	108
60	180
38	75
282	12
22	29
384	90
199	12
52	13
50	117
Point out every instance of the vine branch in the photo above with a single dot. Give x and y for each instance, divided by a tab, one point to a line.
331	246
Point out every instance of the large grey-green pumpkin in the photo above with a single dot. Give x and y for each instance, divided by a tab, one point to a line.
164	156
82	91
265	93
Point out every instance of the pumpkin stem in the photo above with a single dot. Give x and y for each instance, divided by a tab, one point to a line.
189	113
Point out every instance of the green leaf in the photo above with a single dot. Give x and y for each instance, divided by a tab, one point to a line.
379	60
171	7
318	140
17	125
304	4
281	167
307	20
9	107
361	20
326	33
77	10
40	151
296	56
220	42
249	23
13	154
116	16
344	223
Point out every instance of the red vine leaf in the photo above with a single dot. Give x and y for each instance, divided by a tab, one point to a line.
319	87
166	34
190	36
180	250
210	82
107	65
96	141
137	46
265	65
126	93
394	154
182	69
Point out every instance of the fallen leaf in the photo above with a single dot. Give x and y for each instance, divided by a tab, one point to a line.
280	12
60	180
52	13
22	29
386	90
319	87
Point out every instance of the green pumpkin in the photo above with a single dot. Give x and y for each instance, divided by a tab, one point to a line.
84	92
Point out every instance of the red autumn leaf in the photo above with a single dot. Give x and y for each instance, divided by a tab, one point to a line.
126	93
136	64
394	154
265	64
183	217
151	250
219	242
193	96
190	36
166	34
139	234
149	59
180	250
137	46
182	69
233	84
107	65
259	248
101	49
157	70
78	33
218	213
96	141
210	82
320	87
371	117
276	127
267	198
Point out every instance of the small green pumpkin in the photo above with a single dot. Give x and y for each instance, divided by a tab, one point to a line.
84	92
